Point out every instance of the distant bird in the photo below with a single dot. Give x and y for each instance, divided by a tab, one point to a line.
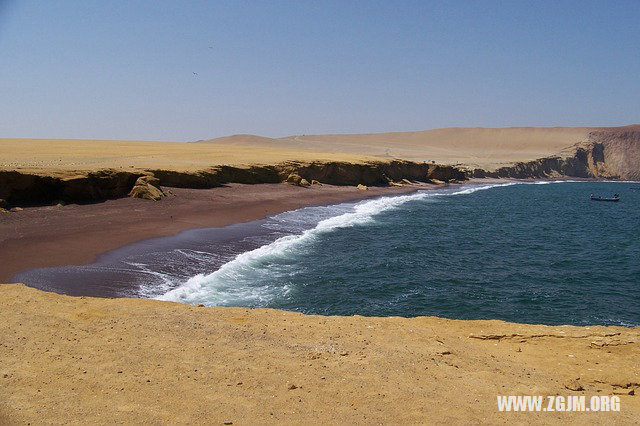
210	47
195	73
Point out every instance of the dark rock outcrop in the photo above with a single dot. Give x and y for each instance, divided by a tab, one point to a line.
370	174
293	179
33	189
147	188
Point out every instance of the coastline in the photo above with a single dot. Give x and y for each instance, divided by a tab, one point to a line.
139	360
79	234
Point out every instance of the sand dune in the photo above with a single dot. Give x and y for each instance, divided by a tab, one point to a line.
474	147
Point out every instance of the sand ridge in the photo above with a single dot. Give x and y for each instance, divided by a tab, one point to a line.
609	152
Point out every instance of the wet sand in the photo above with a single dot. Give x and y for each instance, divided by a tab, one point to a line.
78	234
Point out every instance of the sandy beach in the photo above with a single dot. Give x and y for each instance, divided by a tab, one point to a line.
88	360
77	234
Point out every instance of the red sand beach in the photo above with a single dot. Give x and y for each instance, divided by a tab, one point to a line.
77	234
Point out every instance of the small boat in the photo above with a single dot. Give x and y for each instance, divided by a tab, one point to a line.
616	197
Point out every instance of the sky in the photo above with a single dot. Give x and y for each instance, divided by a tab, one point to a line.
190	70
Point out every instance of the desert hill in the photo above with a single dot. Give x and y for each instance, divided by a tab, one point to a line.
474	147
616	150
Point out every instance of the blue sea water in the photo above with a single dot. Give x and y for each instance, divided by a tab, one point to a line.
527	252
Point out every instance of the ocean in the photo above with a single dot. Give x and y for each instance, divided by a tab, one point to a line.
534	252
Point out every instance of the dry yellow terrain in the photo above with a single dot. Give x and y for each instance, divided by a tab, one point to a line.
128	361
483	148
57	157
475	147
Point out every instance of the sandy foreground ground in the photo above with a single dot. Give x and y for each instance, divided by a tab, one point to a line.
475	147
72	360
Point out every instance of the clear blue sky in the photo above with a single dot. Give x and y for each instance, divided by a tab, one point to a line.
125	69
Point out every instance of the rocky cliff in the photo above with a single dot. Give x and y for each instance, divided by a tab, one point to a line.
606	154
621	151
19	188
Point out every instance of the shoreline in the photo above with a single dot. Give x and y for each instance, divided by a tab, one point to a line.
33	237
139	360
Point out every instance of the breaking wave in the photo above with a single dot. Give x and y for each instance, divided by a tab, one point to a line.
248	279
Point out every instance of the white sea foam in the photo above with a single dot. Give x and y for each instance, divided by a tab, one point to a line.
547	182
240	281
162	280
473	189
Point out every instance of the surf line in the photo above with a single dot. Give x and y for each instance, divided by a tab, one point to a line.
235	281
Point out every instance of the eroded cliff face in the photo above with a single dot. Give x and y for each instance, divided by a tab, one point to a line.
586	162
20	189
337	173
621	150
606	154
332	173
